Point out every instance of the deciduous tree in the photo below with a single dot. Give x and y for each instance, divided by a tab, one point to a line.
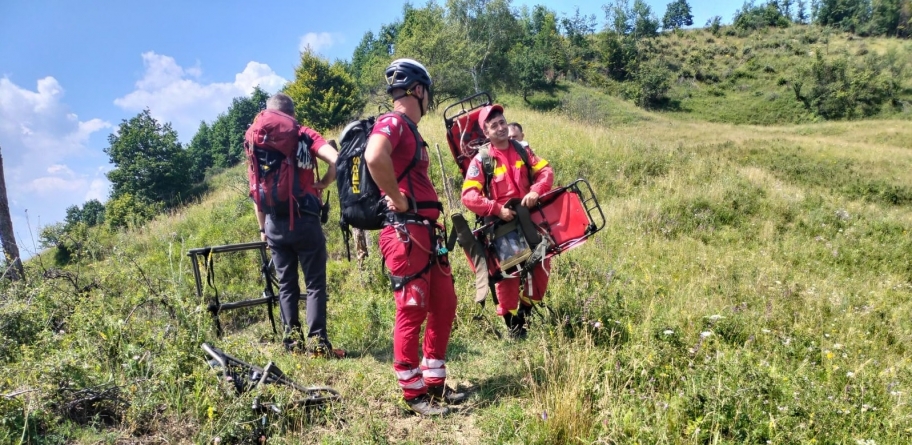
677	15
149	162
325	95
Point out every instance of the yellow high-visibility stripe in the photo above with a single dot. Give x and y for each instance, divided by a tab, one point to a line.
468	184
540	165
500	169
520	164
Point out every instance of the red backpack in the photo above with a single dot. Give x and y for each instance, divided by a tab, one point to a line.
280	165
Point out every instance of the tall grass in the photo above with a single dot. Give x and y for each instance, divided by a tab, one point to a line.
751	286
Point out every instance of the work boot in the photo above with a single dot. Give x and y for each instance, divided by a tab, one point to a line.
324	349
516	326
446	394
293	339
424	405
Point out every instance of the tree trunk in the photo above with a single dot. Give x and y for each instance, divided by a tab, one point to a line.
7	240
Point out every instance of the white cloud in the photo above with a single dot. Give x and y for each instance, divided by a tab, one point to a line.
57	168
318	41
48	163
174	94
98	189
47	186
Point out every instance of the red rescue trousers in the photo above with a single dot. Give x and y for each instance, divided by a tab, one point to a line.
508	296
407	250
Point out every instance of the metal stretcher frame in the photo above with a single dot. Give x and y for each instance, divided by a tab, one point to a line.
215	306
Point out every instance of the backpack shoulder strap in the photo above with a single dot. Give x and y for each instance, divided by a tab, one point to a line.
419	144
524	155
487	164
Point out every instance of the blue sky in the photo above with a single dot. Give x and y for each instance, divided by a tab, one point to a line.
70	72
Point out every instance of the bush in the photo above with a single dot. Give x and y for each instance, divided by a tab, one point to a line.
650	84
751	17
840	90
714	24
127	210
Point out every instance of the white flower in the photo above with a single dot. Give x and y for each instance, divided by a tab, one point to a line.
706	334
838	346
765	331
668	332
715	317
850	374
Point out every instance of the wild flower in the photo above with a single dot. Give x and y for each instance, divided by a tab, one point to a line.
850	374
668	332
706	334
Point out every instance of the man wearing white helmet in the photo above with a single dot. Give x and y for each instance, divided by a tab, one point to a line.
411	242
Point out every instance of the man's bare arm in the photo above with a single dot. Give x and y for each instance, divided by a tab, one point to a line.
380	163
327	154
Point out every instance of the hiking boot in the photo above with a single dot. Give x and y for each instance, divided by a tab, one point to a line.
323	352
322	348
446	394
292	346
516	326
424	405
293	339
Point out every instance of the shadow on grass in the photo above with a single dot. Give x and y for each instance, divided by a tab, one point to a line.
489	391
548	99
240	319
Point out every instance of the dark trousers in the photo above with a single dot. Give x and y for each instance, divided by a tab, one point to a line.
305	245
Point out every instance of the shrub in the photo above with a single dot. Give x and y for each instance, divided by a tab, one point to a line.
650	84
841	90
128	210
751	17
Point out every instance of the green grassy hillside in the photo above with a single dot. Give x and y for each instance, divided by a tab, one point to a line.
751	286
749	78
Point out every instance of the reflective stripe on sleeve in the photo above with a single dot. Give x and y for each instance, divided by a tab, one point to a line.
540	165
468	184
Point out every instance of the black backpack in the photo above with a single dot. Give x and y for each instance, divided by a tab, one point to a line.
360	200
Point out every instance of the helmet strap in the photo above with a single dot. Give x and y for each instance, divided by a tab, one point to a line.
409	92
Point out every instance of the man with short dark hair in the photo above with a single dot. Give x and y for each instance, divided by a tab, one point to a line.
411	243
512	179
516	134
302	243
